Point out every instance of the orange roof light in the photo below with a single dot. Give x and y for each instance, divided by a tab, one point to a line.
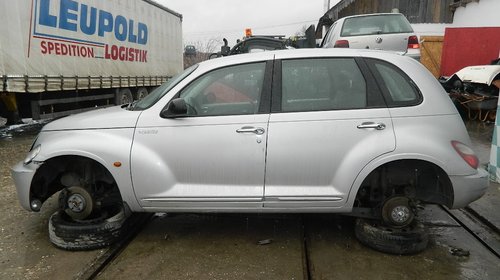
248	32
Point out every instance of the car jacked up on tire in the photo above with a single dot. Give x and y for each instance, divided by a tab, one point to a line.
356	132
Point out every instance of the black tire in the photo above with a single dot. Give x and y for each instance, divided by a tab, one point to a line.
406	241
97	233
124	96
141	93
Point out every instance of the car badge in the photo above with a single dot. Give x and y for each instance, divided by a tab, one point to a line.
378	40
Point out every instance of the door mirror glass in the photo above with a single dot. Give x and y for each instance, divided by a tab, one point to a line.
175	108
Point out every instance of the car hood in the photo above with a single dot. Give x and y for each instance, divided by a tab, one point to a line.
484	74
114	117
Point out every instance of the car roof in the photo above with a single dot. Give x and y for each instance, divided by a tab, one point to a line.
296	53
369	15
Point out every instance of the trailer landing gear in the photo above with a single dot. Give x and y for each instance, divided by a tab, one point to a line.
8	108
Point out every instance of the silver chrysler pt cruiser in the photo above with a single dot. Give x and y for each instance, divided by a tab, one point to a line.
364	133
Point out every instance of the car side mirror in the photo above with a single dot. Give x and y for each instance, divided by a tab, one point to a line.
175	108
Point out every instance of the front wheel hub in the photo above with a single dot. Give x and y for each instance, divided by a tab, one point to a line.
77	202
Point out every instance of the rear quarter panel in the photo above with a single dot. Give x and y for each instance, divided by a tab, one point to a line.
429	128
424	131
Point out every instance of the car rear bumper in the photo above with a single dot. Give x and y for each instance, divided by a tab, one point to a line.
469	188
23	175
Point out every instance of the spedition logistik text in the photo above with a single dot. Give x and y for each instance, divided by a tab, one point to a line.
77	19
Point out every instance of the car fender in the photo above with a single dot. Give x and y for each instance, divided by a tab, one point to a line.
109	147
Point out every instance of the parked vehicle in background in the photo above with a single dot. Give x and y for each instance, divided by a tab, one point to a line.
190	50
251	45
61	57
260	43
299	131
385	31
474	90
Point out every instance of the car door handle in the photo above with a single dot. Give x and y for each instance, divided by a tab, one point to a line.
251	129
377	126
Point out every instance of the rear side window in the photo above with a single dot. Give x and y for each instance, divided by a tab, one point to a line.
322	84
399	89
329	35
379	24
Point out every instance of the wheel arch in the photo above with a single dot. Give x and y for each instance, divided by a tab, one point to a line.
434	170
47	178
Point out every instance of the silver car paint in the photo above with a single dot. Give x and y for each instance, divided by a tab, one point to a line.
198	159
110	140
103	135
313	157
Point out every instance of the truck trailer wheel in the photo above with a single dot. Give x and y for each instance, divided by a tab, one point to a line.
403	241
123	96
72	235
141	93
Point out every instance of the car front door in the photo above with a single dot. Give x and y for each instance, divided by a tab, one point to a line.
328	121
213	157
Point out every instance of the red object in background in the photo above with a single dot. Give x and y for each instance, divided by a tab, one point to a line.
469	46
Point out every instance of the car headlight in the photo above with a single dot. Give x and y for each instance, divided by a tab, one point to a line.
32	154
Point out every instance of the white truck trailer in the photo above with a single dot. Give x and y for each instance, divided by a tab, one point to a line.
59	57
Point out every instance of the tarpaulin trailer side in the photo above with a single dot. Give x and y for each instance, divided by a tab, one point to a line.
59	49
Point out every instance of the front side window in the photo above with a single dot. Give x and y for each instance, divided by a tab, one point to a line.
234	90
322	84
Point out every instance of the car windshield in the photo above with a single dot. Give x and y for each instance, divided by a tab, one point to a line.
378	24
160	91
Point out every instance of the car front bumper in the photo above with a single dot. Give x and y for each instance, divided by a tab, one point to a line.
469	188
23	175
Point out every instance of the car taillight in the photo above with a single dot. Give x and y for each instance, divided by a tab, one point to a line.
341	44
413	42
466	153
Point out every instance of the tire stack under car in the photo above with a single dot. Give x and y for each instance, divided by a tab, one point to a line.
98	232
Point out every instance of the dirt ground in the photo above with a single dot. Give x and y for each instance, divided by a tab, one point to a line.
189	246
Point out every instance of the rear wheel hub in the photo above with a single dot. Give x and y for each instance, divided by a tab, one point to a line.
397	212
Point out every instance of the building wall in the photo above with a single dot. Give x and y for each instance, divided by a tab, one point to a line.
484	13
417	11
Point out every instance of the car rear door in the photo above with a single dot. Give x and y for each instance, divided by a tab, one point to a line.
328	121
